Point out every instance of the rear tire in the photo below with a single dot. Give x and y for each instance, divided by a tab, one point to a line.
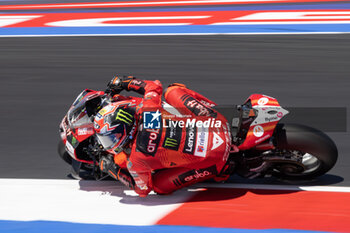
317	148
63	153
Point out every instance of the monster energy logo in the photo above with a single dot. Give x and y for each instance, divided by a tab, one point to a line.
170	142
74	141
124	117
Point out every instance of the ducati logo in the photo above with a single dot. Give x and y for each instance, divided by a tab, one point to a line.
217	141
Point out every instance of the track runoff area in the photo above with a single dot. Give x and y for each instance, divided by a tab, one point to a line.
106	206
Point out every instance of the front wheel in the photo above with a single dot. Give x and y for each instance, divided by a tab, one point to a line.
317	152
79	170
63	153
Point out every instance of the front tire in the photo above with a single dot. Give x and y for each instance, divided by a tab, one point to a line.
319	152
63	153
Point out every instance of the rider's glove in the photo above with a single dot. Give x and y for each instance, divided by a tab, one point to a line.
117	84
107	165
106	162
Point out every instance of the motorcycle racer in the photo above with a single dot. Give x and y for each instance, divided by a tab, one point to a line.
184	148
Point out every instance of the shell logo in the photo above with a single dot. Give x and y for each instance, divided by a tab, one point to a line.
258	131
263	101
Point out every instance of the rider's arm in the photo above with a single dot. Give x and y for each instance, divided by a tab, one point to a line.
138	167
140	163
130	83
151	90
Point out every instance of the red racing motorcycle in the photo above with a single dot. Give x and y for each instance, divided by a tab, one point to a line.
263	145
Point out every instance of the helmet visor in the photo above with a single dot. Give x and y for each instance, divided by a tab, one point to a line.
112	138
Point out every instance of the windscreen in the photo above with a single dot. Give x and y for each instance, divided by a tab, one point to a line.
77	115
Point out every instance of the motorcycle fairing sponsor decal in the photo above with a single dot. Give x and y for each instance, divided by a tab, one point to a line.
258	131
258	134
202	142
73	141
197	107
147	140
196	174
70	149
85	131
267	114
263	101
217	141
263	138
273	118
190	140
172	137
268	109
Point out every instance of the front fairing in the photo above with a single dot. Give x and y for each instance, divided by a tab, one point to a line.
77	125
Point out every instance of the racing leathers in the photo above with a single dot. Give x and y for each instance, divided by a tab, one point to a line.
176	145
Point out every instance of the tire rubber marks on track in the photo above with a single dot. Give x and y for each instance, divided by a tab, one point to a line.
175	18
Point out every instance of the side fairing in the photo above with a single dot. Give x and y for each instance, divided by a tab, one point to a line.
268	114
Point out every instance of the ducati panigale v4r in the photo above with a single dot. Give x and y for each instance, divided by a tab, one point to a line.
263	146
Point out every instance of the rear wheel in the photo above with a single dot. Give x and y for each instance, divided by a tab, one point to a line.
315	151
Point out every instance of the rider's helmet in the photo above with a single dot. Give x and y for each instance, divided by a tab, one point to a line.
115	125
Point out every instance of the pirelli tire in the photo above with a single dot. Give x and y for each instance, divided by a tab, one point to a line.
319	149
63	153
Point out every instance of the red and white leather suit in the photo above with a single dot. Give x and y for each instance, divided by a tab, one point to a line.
186	155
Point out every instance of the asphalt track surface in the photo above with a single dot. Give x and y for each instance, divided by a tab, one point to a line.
40	77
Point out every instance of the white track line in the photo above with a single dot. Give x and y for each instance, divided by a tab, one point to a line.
275	187
183	34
